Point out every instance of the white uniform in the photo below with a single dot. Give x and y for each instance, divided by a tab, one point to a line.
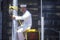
27	23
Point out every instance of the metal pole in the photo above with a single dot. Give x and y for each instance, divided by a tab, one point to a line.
42	28
14	22
42	24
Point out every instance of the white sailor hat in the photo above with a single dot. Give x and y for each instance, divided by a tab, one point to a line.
23	5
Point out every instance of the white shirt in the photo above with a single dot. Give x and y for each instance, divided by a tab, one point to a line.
27	17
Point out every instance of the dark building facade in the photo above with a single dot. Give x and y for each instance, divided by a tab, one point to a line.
51	13
0	22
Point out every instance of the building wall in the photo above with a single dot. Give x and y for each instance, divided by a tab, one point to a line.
0	22
50	9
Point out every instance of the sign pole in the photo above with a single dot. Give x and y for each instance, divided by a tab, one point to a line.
14	22
42	24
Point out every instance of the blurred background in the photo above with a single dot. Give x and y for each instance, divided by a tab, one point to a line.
51	13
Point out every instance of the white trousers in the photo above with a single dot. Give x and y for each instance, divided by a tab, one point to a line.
20	32
20	36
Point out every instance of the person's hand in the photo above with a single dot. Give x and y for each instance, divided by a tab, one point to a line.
20	30
13	17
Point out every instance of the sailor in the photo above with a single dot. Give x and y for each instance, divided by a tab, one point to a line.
27	21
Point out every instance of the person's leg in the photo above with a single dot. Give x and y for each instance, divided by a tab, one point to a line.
20	32
20	36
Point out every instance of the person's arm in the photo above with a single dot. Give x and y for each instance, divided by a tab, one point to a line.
24	17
